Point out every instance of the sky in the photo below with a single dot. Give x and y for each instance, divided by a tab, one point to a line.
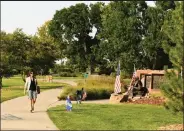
29	15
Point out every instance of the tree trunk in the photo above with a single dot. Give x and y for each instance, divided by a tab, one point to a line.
89	69
23	76
85	48
154	63
1	84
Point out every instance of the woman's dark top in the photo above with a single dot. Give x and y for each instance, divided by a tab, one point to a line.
33	85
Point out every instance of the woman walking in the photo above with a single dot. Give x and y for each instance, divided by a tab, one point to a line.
31	88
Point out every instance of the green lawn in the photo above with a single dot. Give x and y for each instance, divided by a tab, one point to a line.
112	117
14	87
13	81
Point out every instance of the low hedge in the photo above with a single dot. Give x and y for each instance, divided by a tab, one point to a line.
67	74
92	94
97	88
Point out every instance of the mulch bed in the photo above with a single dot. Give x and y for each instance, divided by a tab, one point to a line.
150	101
172	127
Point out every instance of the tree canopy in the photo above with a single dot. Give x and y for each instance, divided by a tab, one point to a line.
95	37
72	27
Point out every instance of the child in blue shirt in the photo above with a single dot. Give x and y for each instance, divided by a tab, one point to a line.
68	104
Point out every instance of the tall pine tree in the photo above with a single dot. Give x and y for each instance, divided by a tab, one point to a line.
173	86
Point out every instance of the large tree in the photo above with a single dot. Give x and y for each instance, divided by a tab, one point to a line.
22	53
47	50
173	28
166	5
19	49
131	33
5	66
122	33
154	56
72	26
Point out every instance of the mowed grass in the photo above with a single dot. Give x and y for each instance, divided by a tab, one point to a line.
13	81
112	117
14	87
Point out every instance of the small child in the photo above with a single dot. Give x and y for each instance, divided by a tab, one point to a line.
68	104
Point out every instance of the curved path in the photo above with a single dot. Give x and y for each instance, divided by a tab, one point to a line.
15	113
70	82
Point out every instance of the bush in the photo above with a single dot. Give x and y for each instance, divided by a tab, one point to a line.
66	70
99	93
125	75
98	87
113	74
172	89
55	75
67	90
67	74
126	81
104	70
92	94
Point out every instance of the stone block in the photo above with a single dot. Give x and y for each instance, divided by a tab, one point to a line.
117	98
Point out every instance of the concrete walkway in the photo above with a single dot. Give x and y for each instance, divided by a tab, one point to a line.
15	113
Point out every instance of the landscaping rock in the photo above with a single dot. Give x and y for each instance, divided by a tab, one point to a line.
117	98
